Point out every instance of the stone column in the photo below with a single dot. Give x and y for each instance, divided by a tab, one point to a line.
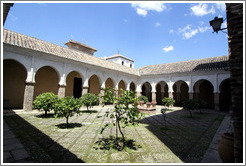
116	92
170	95
61	91
85	90
138	94
100	99
28	96
190	95
153	96
216	101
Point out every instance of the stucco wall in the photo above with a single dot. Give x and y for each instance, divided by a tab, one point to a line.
94	85
46	81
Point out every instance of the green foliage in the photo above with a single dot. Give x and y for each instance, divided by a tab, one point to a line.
67	107
167	101
108	97
89	100
189	105
143	98
199	104
45	102
125	112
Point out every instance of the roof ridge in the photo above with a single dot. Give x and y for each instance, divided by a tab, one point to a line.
184	61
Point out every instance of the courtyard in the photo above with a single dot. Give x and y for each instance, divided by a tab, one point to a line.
177	139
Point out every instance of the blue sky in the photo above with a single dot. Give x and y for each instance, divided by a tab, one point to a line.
149	33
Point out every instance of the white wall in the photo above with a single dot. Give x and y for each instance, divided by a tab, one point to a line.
119	61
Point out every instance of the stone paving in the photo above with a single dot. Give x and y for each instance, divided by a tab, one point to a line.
176	140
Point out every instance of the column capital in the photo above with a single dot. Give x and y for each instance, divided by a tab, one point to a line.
61	86
30	83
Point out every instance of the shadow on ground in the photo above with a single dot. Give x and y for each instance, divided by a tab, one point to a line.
69	126
49	115
40	147
88	111
188	138
110	143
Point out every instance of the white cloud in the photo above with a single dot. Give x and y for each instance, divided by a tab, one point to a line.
202	9
171	31
187	32
221	6
168	48
157	24
142	8
142	12
13	17
203	29
224	24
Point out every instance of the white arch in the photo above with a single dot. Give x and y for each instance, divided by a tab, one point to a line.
57	72
201	81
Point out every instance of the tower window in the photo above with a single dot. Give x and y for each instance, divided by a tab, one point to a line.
130	65
122	62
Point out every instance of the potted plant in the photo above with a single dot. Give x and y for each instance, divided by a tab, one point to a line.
153	103
148	104
226	146
141	103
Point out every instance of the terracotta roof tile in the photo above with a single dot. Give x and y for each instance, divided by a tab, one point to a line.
214	63
20	40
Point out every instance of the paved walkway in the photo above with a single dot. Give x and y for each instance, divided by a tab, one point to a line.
14	151
212	155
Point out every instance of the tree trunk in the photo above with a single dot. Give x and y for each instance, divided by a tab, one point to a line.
45	113
67	121
190	113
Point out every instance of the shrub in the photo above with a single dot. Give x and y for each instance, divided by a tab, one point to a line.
143	98
168	101
108	97
66	107
89	100
45	102
190	105
199	104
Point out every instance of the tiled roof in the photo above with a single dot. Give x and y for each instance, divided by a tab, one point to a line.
214	63
24	41
119	55
72	41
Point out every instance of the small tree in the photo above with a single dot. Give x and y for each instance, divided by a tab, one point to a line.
199	104
45	102
125	112
108	96
89	100
66	107
143	98
167	101
189	105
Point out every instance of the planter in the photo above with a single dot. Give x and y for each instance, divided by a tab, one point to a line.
153	103
141	103
226	148
148	104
